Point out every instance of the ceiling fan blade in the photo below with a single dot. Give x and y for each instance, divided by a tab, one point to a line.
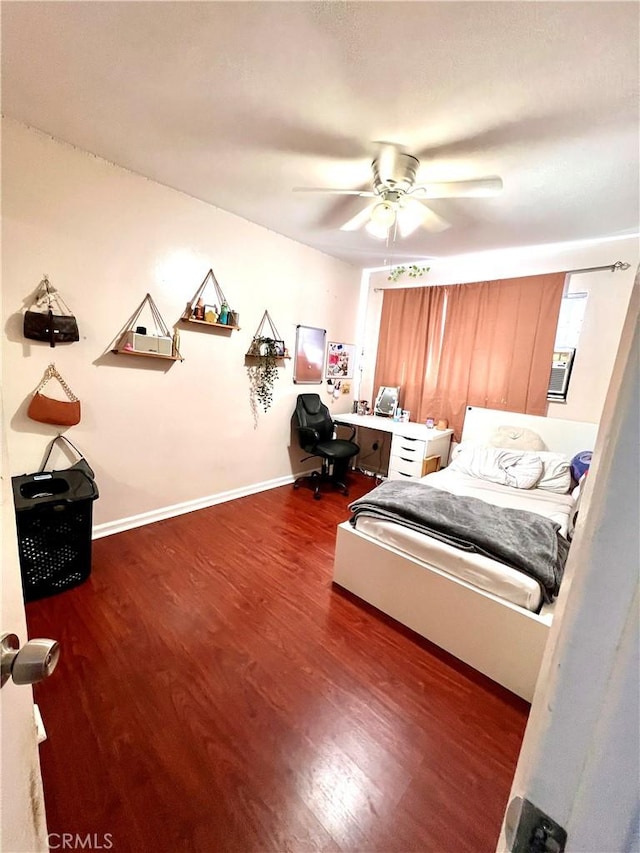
434	223
358	220
331	191
413	214
481	188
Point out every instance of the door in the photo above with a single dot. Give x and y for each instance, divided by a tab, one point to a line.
580	758
23	818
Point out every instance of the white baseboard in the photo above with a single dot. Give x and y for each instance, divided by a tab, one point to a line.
122	524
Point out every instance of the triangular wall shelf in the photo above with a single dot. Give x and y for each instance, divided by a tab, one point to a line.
258	347
131	341
198	309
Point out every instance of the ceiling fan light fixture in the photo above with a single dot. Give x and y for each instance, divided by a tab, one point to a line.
411	215
383	214
381	232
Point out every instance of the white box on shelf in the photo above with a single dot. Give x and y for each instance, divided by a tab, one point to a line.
158	344
165	345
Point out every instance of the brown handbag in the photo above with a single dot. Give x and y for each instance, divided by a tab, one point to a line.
46	410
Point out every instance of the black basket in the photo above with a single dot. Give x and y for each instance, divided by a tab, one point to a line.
54	515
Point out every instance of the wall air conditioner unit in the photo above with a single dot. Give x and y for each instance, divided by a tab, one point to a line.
560	375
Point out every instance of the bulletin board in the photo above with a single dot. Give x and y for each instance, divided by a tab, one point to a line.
308	365
340	360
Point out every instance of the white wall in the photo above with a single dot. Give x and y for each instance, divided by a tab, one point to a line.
609	295
157	433
580	759
607	302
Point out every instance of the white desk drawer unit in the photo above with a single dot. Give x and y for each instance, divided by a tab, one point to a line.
405	459
408	454
411	443
400	469
407	448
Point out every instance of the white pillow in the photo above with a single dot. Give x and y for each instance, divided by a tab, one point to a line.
556	476
516	438
506	467
486	463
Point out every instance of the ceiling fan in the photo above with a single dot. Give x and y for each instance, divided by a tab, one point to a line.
398	201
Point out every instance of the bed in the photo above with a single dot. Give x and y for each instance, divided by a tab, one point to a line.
493	618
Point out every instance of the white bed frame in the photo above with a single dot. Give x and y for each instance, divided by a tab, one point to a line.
499	639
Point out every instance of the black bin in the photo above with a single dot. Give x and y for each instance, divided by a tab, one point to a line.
54	514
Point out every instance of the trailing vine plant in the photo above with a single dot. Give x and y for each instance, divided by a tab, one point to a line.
413	271
265	372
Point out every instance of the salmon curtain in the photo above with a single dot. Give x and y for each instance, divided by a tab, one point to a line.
486	344
409	343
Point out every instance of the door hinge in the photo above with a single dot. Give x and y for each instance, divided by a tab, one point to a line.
530	830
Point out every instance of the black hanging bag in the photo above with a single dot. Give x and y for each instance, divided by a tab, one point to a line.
80	465
41	323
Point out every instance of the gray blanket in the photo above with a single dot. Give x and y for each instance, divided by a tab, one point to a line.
523	540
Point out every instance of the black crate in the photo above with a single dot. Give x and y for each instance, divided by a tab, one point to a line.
54	515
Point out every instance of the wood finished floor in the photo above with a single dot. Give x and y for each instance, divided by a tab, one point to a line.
215	693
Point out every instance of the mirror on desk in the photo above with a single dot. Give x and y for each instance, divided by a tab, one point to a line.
387	400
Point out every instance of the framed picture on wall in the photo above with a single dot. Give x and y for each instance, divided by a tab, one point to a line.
340	360
308	365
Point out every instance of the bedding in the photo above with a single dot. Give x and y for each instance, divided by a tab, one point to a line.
519	469
556	472
507	467
551	505
523	540
573	518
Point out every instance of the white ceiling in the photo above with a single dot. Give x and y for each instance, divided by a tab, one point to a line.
235	103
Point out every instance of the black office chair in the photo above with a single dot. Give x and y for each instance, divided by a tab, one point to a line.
315	435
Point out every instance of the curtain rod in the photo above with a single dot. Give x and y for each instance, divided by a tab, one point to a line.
619	265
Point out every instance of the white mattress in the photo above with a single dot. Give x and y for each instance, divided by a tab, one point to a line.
487	574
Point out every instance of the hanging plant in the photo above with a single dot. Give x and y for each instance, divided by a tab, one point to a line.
265	371
413	271
264	351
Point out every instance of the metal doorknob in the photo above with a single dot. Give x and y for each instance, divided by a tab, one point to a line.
34	662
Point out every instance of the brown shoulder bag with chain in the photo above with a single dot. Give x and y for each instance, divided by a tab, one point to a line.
50	411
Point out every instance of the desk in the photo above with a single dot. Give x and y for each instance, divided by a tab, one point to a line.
411	443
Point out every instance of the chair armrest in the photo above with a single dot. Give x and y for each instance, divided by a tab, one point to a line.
344	426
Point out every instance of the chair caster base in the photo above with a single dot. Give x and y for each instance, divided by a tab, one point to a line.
316	479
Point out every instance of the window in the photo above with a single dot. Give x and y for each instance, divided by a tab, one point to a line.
570	319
